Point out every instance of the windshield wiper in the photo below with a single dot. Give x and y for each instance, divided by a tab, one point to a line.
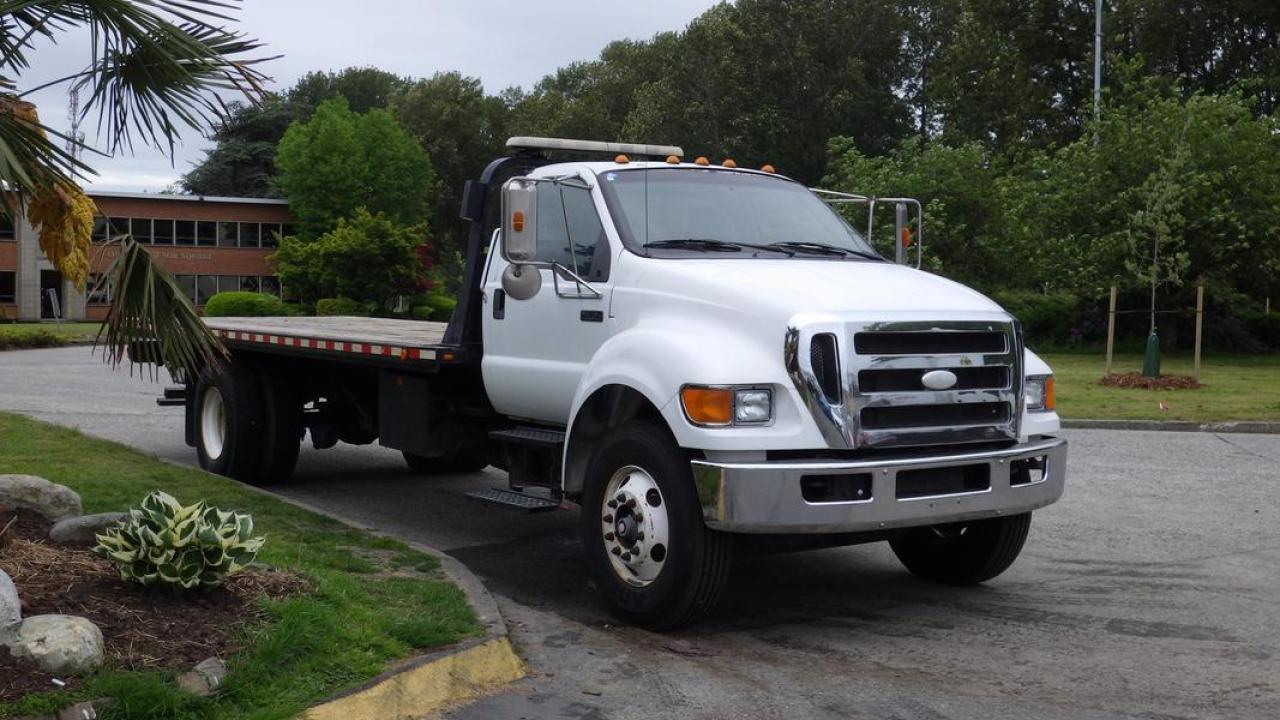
824	249
711	245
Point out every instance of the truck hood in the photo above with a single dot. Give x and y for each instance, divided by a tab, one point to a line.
780	288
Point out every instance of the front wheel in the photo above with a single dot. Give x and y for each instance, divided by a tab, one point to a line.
964	553
653	559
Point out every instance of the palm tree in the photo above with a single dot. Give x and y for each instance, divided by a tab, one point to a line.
154	68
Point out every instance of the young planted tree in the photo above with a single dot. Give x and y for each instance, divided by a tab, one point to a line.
152	69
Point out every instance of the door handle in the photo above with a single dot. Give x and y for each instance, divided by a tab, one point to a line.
591	316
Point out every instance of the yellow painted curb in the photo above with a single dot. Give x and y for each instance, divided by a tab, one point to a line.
428	685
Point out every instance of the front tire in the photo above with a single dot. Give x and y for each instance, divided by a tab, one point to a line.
965	553
653	558
230	421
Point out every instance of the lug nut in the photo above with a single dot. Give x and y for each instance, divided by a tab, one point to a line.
626	556
621	497
608	518
608	536
639	536
612	503
616	550
638	516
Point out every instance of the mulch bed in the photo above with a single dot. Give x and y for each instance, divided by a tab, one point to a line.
143	628
1135	380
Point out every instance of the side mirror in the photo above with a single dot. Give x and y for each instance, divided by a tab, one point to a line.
520	220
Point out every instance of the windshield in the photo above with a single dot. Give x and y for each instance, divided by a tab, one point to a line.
664	208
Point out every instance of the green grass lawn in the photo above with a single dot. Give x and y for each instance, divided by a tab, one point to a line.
1240	387
374	599
20	335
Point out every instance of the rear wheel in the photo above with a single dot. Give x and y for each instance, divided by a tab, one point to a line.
653	559
283	432
230	421
963	553
446	464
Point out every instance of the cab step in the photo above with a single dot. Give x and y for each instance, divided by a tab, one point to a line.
530	437
514	500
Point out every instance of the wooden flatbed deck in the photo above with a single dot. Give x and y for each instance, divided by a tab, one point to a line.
350	336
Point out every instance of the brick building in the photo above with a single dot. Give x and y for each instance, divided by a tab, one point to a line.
212	244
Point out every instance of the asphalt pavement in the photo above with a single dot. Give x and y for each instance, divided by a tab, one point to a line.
1152	590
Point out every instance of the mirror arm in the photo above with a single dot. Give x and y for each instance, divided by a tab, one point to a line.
558	271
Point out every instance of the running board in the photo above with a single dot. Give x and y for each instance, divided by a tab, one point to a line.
514	500
529	436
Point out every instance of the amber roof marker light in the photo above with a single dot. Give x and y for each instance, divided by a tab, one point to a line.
729	163
767	169
622	159
702	160
673	160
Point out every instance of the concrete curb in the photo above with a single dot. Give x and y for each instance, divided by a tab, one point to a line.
1242	426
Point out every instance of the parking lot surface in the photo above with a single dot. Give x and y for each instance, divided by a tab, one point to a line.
1152	590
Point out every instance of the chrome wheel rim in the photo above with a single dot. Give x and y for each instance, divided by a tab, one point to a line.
213	423
633	523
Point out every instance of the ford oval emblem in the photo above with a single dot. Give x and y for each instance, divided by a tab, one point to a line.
938	379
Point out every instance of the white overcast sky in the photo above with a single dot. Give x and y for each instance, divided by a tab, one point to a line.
502	42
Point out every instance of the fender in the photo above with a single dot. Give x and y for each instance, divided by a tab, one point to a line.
658	356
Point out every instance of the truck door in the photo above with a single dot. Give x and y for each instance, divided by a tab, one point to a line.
536	350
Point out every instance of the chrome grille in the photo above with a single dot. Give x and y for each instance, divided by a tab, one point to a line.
884	402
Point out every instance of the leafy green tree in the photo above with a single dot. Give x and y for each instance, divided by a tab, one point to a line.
242	162
461	128
367	258
339	161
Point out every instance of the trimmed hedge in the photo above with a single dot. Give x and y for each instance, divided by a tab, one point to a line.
243	304
344	306
434	307
31	340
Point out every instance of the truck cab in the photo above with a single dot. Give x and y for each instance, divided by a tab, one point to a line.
694	353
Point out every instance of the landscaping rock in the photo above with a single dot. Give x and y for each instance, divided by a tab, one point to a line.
10	605
204	678
83	528
38	495
59	644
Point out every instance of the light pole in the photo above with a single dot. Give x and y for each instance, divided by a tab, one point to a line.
1097	65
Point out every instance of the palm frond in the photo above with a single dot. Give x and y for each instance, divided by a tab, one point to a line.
155	65
151	320
30	154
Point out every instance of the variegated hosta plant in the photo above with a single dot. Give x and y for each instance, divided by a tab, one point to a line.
162	542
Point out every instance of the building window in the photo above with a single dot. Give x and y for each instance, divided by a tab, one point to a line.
101	229
188	285
206	233
184	232
119	226
206	287
250	234
8	286
270	284
249	283
6	229
97	294
286	230
270	234
162	232
228	234
140	228
228	283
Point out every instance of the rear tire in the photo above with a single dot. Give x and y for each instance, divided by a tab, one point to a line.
283	433
230	421
679	567
446	464
963	553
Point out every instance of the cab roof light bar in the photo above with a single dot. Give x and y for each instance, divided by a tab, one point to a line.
594	147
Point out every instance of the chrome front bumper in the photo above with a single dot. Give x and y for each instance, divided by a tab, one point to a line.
766	497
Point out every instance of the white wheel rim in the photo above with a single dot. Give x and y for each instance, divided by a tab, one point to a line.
213	422
633	523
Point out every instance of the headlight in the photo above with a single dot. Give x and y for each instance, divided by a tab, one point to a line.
1040	396
723	406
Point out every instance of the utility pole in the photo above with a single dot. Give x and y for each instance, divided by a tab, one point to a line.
1097	65
75	138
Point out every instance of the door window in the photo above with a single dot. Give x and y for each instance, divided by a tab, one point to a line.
569	231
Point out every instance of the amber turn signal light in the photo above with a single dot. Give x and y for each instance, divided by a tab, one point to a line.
517	221
707	406
1050	402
